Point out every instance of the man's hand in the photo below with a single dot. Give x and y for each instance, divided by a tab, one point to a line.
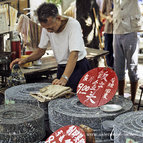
69	69
18	61
109	18
37	54
61	81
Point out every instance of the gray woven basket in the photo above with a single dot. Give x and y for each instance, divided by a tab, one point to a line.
64	112
129	126
20	94
21	123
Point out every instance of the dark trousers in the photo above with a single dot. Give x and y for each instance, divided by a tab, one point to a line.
109	47
81	68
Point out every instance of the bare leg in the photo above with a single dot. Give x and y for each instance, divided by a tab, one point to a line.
121	87
133	87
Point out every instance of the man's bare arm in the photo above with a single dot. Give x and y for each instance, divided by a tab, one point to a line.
37	54
69	68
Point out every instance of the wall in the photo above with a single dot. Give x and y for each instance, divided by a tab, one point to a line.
20	5
66	4
35	3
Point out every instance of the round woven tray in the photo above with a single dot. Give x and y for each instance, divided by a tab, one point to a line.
21	123
64	112
129	126
21	94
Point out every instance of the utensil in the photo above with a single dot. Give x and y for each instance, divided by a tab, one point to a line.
111	108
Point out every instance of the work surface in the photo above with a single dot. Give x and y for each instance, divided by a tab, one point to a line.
49	62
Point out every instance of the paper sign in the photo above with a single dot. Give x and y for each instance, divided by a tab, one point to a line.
97	87
68	134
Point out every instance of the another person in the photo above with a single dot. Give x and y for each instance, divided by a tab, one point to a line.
85	16
107	13
65	36
100	3
126	23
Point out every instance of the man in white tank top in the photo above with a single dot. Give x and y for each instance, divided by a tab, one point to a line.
65	36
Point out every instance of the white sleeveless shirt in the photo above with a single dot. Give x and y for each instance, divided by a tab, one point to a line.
68	40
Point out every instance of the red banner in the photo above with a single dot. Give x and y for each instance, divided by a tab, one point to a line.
97	87
68	134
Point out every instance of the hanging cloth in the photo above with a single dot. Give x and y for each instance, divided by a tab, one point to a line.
30	32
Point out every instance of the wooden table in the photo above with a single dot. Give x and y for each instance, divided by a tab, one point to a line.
49	65
95	53
49	62
43	72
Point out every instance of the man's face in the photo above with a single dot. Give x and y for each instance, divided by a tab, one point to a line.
52	24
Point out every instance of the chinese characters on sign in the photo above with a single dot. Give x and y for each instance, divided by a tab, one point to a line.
97	87
68	134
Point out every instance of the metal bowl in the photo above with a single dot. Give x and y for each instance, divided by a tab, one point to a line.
111	108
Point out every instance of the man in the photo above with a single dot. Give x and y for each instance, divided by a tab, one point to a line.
107	13
65	36
126	23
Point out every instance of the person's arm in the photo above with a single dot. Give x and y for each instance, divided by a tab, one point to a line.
107	17
103	12
71	63
37	54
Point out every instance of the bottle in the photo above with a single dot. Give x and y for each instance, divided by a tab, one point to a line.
15	46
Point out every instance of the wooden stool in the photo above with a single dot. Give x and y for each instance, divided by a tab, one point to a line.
139	105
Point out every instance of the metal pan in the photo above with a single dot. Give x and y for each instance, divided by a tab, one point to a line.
111	108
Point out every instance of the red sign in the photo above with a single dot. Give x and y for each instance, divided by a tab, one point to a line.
68	134
97	87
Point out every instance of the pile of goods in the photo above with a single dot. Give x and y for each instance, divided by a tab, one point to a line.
51	92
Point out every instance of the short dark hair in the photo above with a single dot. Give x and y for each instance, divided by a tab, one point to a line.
46	10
